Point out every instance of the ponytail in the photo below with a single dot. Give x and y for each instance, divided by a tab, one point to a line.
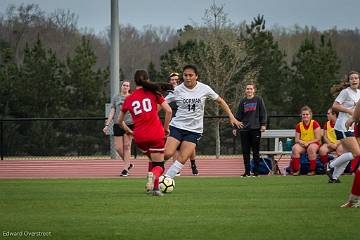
141	78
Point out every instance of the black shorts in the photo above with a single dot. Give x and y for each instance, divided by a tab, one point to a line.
341	135
119	131
184	135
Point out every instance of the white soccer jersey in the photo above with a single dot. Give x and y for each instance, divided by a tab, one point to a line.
348	98
191	105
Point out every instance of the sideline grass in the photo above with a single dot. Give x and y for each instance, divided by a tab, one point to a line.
199	208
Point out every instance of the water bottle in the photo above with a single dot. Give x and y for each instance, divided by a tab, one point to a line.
280	146
288	144
284	173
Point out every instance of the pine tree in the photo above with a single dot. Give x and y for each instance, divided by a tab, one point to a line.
40	85
8	75
84	84
268	61
85	97
315	70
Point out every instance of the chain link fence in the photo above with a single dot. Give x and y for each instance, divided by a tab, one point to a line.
76	138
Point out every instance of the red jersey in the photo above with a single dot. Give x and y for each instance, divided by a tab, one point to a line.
142	105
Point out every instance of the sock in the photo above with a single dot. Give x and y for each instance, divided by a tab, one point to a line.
355	190
193	163
312	165
295	164
345	157
157	171
150	166
324	159
174	169
354	164
338	170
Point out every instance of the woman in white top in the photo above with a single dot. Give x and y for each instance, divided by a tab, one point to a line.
345	104
354	196
186	127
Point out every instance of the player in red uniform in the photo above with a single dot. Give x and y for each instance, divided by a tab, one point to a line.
149	133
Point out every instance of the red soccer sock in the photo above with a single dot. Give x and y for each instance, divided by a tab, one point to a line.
157	171
354	163
355	190
312	165
324	159
150	166
295	164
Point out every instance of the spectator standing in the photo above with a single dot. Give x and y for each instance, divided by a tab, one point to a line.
252	114
122	141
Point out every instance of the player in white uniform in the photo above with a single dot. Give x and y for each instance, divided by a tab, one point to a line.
354	197
345	104
186	127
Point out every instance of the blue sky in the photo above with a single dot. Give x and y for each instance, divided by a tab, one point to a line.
95	14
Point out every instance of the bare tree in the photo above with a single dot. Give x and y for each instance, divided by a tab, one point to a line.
19	20
65	20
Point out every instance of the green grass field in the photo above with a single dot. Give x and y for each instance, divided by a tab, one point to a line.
200	208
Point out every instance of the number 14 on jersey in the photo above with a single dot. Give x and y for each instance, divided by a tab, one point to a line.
191	107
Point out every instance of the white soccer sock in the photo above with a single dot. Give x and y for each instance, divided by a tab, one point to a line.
339	161
174	169
338	170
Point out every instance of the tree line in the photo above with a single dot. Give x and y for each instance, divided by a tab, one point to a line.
51	68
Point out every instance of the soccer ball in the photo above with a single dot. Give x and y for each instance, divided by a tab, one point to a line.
166	184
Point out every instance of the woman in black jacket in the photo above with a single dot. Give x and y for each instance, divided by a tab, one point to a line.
252	113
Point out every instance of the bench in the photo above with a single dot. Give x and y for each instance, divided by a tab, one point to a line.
277	134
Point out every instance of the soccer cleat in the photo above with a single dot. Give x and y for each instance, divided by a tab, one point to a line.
312	173
178	174
157	193
334	180
329	171
296	173
124	173
147	191
194	170
245	175
354	202
351	205
150	182
130	166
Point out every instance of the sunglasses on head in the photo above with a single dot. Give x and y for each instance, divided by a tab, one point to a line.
173	74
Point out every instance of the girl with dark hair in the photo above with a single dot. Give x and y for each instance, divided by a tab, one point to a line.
345	104
187	126
331	144
149	133
174	80
122	141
